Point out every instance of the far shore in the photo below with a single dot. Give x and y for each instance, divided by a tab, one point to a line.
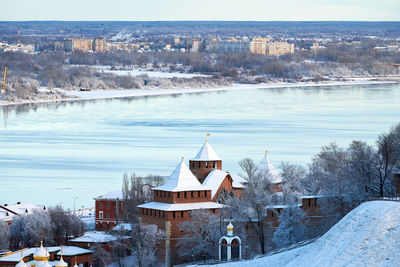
130	93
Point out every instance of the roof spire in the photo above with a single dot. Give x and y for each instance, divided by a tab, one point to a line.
207	135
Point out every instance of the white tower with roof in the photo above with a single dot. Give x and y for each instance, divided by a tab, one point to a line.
267	170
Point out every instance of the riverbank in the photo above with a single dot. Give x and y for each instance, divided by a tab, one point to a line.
128	93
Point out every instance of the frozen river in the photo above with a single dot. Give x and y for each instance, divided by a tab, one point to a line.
51	154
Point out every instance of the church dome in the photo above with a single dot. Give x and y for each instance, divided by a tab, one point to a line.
61	263
21	264
42	254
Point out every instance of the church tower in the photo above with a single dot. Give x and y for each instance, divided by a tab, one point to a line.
205	161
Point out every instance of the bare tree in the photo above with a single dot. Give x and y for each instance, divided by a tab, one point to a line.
64	224
386	159
247	165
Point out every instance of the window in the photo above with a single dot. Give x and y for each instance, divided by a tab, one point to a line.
101	215
181	214
185	194
205	193
101	204
199	164
173	214
108	215
179	195
163	214
190	213
151	212
198	193
214	164
206	164
191	194
108	204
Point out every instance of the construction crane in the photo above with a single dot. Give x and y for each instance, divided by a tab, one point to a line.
3	89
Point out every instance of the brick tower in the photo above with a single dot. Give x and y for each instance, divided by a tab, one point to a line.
204	162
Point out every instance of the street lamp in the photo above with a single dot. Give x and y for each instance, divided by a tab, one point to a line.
74	204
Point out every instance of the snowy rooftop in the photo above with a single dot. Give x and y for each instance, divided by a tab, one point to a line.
282	206
94	237
72	251
214	180
238	182
265	168
315	196
67	251
123	227
180	207
206	153
112	195
181	179
9	211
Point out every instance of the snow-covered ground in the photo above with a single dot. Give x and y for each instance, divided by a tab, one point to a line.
154	74
107	94
102	94
87	216
367	236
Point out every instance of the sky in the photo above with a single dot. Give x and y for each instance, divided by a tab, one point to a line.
239	10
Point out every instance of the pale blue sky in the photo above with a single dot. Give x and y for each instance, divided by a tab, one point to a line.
200	10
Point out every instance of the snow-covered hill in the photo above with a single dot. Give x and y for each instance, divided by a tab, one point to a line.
367	236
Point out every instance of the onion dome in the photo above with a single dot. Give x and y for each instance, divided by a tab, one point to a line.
21	264
42	254
230	229
61	263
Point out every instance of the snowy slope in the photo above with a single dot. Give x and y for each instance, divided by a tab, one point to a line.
367	236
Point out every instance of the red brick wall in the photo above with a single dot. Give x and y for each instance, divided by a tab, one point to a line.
182	197
85	259
108	207
201	169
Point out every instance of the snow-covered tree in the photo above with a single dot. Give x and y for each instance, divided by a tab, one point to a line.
251	207
291	229
362	161
293	178
28	230
201	237
144	240
4	236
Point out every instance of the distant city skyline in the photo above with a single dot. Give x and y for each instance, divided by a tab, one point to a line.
238	10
